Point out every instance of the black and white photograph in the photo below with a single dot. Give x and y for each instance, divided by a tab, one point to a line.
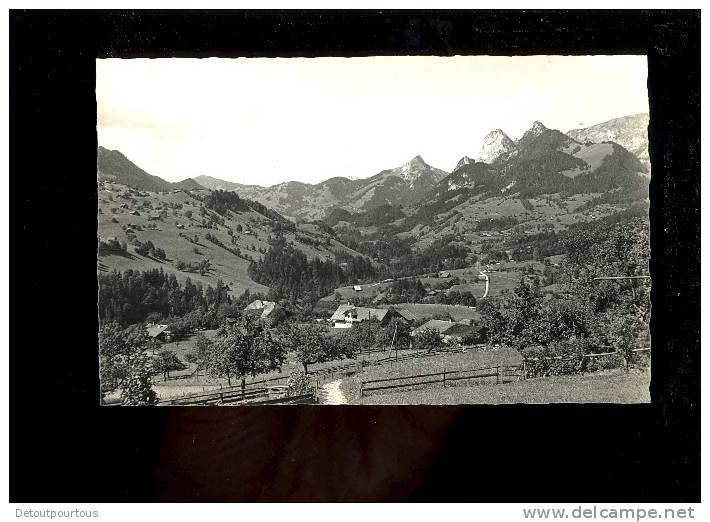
380	230
270	261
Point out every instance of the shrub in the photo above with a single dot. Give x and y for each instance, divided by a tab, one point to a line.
299	384
429	340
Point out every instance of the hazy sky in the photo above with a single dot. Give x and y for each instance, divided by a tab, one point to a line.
264	121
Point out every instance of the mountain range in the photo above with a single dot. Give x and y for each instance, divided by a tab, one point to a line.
114	166
604	157
402	185
631	132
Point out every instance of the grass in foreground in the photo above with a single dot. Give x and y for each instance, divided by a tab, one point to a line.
612	386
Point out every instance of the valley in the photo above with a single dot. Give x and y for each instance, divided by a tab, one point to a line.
412	258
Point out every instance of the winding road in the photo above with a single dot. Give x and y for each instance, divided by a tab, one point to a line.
485	294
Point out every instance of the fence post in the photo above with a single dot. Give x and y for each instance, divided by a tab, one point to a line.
360	389
444	377
497	374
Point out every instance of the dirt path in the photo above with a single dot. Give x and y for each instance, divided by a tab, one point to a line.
333	393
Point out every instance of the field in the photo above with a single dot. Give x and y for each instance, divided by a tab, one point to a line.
427	311
472	358
116	214
611	386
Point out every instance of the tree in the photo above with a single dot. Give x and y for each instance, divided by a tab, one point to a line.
166	362
137	388
244	349
360	337
309	343
123	364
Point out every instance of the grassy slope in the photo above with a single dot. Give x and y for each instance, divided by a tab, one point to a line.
226	266
462	219
613	386
446	361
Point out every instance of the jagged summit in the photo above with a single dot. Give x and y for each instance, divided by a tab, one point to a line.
534	131
495	144
414	168
464	161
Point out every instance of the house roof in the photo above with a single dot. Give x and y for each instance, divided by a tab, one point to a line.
406	314
156	329
358	313
445	327
433	324
266	307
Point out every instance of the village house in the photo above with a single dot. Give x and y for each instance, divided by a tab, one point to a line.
346	315
451	332
158	332
261	308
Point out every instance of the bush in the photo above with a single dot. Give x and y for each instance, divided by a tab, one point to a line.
429	340
112	246
298	384
562	358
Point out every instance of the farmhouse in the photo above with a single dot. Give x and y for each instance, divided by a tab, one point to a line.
346	315
263	308
450	331
157	331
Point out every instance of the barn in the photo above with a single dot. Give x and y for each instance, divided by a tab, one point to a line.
347	315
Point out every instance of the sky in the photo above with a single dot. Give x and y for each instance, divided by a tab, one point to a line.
268	120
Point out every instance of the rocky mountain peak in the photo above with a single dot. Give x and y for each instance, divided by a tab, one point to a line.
495	144
464	161
535	130
413	168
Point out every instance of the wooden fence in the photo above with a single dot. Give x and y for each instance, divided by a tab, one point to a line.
501	373
267	395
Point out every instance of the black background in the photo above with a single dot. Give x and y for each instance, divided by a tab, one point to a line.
63	447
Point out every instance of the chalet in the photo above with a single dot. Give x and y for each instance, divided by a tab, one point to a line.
433	324
261	308
134	213
180	226
347	315
154	216
444	274
451	332
357	288
158	331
